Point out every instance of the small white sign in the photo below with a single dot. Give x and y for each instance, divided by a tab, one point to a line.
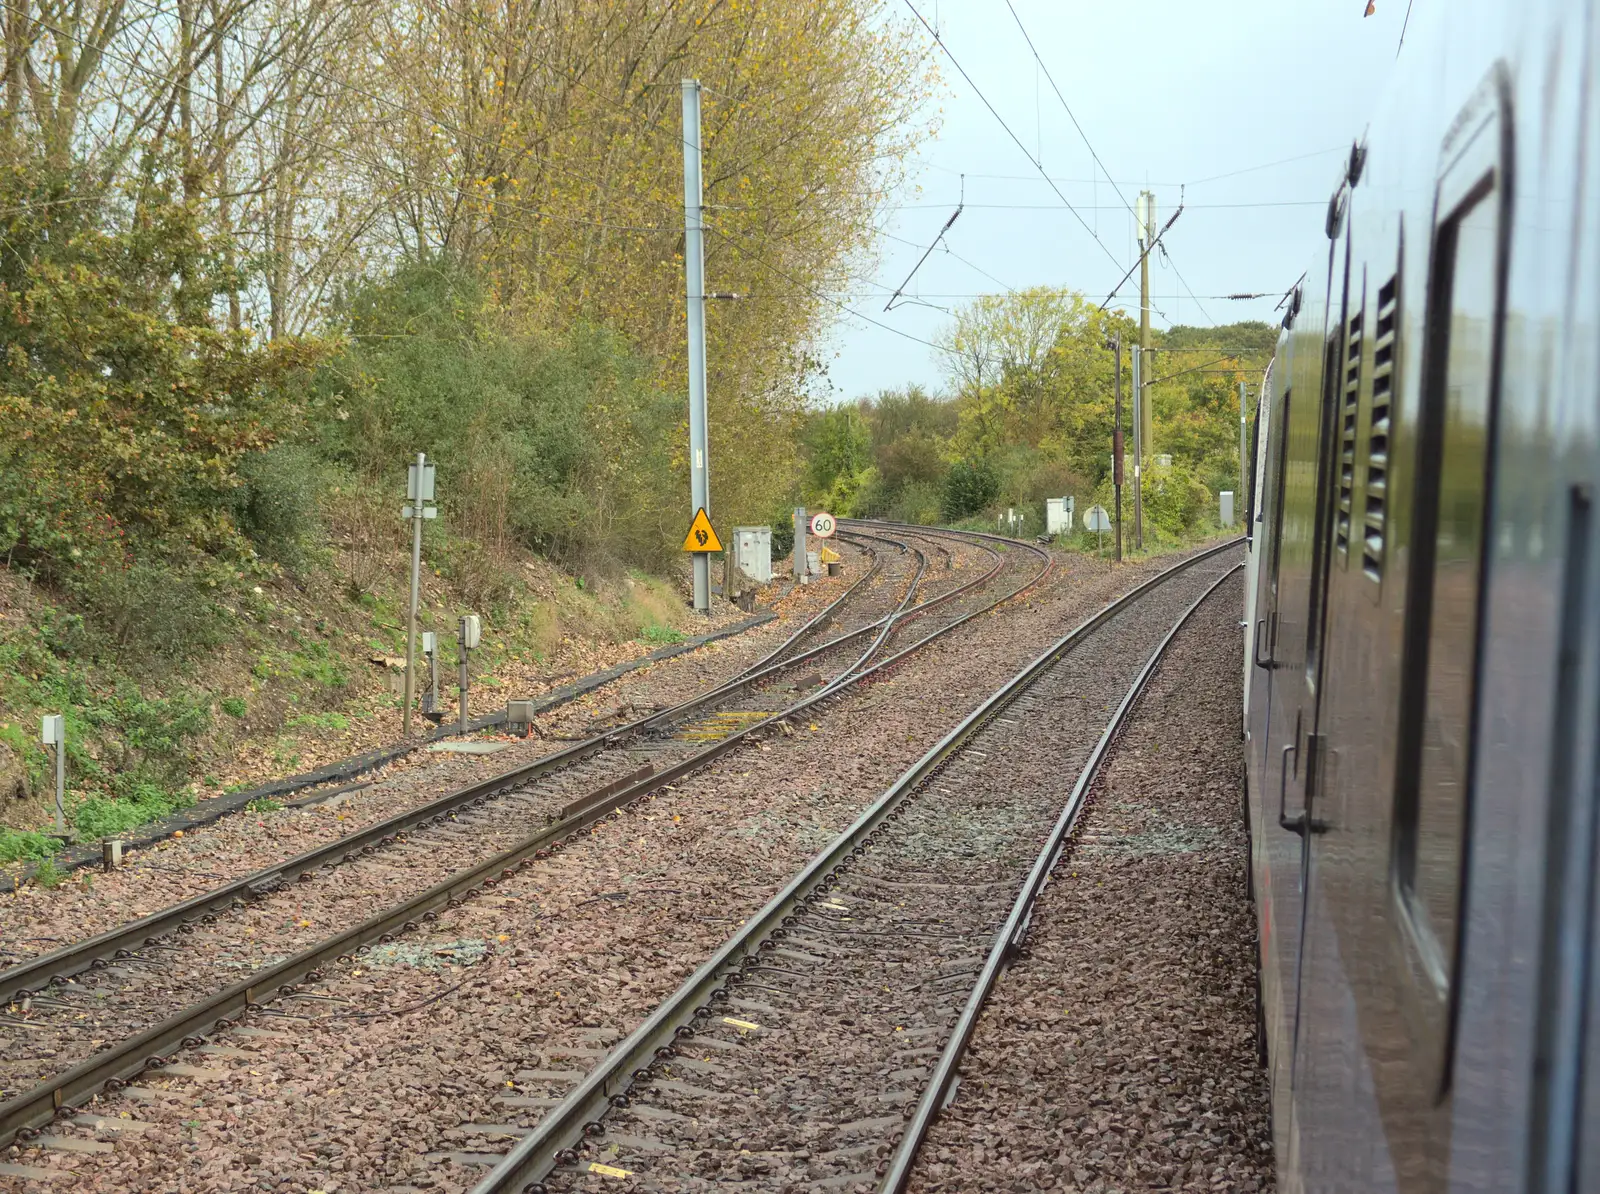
823	524
419	483
1096	519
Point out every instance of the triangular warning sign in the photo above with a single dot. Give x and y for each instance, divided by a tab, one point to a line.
701	537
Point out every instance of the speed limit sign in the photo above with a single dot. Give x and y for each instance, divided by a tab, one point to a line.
823	524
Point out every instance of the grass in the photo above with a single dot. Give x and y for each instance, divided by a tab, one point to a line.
24	845
293	658
263	804
48	874
318	721
98	816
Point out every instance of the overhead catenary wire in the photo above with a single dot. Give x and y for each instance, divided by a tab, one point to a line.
1108	206
1039	62
939	41
1192	182
954	216
1167	257
1156	240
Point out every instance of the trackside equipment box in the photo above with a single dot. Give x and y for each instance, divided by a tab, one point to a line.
752	552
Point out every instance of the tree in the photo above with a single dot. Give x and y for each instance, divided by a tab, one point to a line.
1033	368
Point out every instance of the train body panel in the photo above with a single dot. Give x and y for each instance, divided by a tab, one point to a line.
1421	711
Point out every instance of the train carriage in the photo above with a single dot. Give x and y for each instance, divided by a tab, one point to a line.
1421	631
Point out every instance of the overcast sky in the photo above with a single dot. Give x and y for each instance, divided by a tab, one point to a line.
1170	93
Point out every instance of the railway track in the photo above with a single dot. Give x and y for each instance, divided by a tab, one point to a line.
799	1052
96	1013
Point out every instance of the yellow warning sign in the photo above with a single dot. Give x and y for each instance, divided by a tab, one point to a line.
701	537
828	556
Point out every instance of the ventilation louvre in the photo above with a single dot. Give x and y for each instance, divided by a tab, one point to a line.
1377	489
1348	406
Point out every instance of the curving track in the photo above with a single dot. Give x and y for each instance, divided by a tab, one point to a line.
794	1057
100	1011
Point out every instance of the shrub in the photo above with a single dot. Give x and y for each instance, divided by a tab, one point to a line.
135	411
24	845
98	816
278	499
559	442
233	706
968	489
161	607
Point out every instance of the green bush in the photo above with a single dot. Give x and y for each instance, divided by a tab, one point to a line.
558	442
137	410
916	501
233	706
278	499
969	488
23	845
98	816
151	610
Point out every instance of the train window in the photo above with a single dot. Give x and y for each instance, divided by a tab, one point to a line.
1350	401
1376	495
1439	680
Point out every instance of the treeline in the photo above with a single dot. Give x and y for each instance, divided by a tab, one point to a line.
257	251
1028	414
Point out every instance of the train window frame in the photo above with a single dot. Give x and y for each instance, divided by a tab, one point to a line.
1474	170
1325	504
1375	499
1353	379
1279	465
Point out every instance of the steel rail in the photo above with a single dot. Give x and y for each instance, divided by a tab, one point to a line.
27	1112
822	617
96	952
579	1114
884	625
1008	941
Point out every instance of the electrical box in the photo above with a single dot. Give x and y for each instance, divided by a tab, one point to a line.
752	552
1225	502
428	642
519	713
471	631
53	730
1057	515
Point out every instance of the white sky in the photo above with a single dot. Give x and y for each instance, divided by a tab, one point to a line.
1169	92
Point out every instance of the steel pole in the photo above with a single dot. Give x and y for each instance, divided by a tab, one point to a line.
1116	445
1147	236
61	784
1138	450
798	554
694	269
416	585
